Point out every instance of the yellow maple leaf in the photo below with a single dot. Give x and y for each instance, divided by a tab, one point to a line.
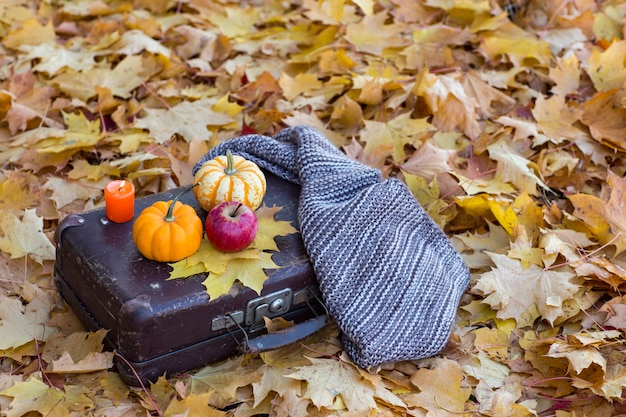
525	251
391	137
373	35
225	378
566	75
474	246
482	205
193	405
273	379
604	114
93	361
209	259
513	290
429	160
440	389
121	80
20	324
290	404
519	46
16	191
134	42
592	211
81	133
33	395
451	104
53	57
24	236
129	139
30	33
615	209
189	119
427	194
301	84
515	168
269	228
236	22
246	266
579	358
83	169
250	272
489	371
556	119
606	68
493	341
327	379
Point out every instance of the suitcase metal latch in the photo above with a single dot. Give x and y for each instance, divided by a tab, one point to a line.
270	305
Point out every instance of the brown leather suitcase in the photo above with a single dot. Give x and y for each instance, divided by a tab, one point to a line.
159	326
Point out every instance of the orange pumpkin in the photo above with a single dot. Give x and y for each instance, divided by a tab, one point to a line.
229	178
168	231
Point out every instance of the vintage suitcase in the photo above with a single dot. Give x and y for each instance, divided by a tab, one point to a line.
159	326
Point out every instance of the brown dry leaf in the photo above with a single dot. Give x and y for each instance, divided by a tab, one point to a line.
615	208
604	114
429	160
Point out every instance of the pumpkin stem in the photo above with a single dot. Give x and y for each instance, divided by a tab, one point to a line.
230	163
169	216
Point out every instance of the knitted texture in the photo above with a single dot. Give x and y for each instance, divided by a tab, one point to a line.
389	276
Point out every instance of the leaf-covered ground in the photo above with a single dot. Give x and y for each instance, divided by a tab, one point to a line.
507	121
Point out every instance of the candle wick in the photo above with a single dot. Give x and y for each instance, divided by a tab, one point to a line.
121	186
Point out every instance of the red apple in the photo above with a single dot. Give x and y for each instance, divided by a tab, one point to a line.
231	226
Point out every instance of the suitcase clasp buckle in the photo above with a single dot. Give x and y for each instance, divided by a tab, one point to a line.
270	305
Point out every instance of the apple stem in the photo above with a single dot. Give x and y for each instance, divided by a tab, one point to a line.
169	216
230	164
235	212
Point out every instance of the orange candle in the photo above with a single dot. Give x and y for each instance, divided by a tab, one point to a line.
119	197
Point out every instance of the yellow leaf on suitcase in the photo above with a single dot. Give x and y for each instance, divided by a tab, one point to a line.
247	266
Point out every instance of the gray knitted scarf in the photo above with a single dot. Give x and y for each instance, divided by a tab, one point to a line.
389	276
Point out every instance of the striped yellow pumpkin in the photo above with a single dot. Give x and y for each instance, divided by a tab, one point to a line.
229	178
